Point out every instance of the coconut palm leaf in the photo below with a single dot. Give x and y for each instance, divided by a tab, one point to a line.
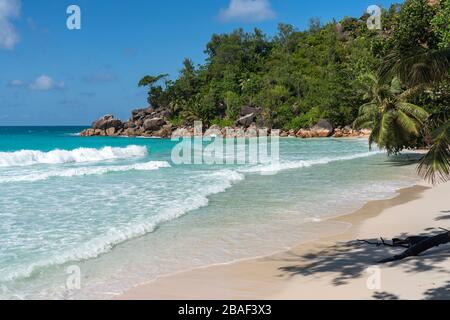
365	118
435	165
412	92
368	108
413	111
367	125
439	118
386	125
407	123
419	66
396	124
373	138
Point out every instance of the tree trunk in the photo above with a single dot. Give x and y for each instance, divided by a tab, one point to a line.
421	246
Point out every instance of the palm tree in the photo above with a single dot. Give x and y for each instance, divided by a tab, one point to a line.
420	69
395	123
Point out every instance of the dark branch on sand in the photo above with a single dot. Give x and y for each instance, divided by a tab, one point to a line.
415	245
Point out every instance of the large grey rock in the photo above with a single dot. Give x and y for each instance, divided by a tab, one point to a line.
110	131
304	134
154	124
246	121
141	114
213	131
136	114
107	122
251	132
133	132
322	129
87	133
129	124
246	110
181	133
164	132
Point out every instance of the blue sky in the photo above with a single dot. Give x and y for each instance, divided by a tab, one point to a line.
50	75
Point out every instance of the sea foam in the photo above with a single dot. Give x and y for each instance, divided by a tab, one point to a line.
83	171
289	165
32	157
223	180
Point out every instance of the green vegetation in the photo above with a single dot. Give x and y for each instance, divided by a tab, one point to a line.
295	78
396	124
420	58
398	75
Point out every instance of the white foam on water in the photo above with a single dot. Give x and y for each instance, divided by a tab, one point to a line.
116	235
33	157
289	165
83	171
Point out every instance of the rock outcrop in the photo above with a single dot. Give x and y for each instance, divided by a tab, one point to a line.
246	121
105	126
150	122
213	131
143	122
154	124
325	129
246	110
322	129
107	122
348	132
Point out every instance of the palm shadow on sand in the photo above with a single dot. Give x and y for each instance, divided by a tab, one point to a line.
349	261
443	217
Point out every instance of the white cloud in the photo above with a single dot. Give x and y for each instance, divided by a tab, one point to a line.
248	10
9	10
45	83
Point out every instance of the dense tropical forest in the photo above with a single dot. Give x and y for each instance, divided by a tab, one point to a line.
394	81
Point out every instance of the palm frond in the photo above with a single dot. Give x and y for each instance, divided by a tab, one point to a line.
369	107
363	119
435	165
407	124
395	87
366	125
373	138
358	123
386	124
413	111
440	117
412	92
419	66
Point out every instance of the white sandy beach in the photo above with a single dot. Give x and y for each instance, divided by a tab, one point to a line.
334	267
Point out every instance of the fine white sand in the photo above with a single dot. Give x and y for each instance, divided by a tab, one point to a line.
334	267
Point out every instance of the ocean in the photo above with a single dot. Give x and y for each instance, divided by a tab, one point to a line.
117	212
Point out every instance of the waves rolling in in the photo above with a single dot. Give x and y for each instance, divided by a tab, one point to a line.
80	155
289	165
83	171
85	205
222	180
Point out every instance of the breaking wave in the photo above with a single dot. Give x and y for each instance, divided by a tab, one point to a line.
32	157
83	171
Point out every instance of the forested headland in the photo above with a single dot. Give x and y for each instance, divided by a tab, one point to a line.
394	82
298	77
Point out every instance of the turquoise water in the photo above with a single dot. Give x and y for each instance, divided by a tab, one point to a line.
123	213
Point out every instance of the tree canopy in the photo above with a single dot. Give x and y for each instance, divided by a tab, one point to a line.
298	77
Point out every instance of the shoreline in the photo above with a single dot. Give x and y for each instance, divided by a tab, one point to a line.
270	277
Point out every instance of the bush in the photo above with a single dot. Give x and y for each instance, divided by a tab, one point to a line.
222	122
306	120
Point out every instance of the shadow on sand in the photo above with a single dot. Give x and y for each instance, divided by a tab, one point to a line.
444	217
351	260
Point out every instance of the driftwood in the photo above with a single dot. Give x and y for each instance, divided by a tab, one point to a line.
415	245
